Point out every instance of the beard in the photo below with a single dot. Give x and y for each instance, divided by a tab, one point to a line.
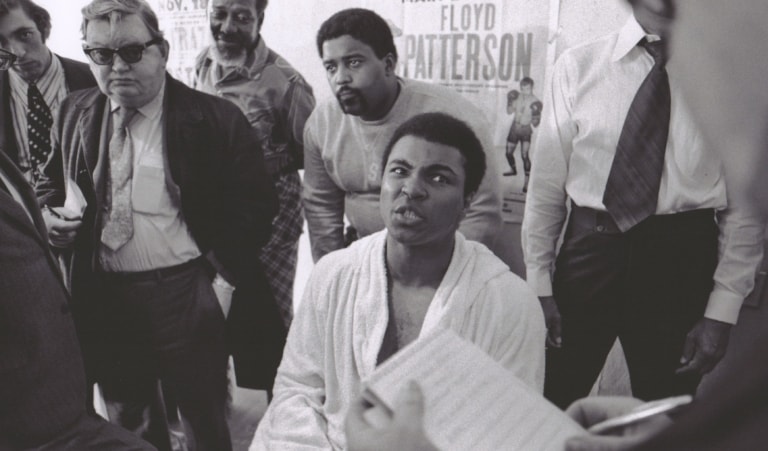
352	101
231	49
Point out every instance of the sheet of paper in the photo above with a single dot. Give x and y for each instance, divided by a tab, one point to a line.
75	200
471	401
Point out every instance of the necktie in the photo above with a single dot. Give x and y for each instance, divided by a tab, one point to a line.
118	226
39	121
632	190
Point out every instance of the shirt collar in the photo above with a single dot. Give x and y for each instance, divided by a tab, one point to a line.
150	110
629	36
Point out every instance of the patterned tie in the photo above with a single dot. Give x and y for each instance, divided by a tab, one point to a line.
632	190
118	226
39	121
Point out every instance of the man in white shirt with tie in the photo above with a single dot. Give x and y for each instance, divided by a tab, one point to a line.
649	228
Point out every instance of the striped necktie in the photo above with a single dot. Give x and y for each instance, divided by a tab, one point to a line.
39	121
632	191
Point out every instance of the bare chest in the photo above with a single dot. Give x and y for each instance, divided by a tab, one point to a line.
407	308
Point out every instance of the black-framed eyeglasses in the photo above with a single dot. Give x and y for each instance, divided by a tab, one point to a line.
6	59
105	56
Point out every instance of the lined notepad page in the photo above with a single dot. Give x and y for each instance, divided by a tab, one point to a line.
471	401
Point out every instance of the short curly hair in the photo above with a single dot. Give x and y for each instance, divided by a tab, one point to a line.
362	24
445	129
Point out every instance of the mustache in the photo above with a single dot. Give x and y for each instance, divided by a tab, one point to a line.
234	38
347	90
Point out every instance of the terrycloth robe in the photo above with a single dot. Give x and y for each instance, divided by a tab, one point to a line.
336	335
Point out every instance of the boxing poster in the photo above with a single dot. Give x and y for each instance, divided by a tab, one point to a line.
495	54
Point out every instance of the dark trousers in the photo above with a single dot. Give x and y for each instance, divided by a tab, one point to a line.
94	434
167	326
648	287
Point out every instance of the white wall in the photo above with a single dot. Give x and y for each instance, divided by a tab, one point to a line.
65	34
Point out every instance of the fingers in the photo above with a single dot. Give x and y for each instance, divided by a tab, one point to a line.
66	213
554	338
61	233
702	362
63	226
689	349
65	222
594	409
409	411
356	415
552	320
601	443
704	346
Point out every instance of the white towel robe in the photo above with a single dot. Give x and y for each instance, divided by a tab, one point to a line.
336	335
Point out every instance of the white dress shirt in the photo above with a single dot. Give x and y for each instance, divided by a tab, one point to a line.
592	88
160	238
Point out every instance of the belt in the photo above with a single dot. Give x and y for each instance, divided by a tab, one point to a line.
153	274
602	222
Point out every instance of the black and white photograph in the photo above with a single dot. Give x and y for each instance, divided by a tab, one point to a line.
366	225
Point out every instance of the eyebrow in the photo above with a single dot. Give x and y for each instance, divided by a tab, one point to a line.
401	162
441	167
432	167
344	57
23	29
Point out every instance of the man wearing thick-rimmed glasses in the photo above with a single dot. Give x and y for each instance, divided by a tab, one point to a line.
33	81
176	191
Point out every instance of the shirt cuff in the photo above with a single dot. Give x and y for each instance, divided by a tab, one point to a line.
723	306
540	281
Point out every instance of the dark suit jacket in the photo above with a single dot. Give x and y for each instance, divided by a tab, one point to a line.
42	380
216	171
77	76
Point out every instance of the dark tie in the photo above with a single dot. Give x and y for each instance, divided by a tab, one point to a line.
118	227
632	190
39	121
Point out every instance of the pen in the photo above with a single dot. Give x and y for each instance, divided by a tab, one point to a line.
641	413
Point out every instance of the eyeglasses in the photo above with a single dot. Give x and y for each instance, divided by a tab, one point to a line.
131	54
6	59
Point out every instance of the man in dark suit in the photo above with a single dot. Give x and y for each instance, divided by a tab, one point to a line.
176	191
42	380
35	85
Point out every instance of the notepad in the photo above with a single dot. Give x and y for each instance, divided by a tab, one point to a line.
471	401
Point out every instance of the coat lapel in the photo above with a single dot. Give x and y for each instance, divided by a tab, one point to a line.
182	131
90	126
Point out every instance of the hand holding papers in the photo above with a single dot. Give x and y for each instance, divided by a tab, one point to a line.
471	402
63	222
75	201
